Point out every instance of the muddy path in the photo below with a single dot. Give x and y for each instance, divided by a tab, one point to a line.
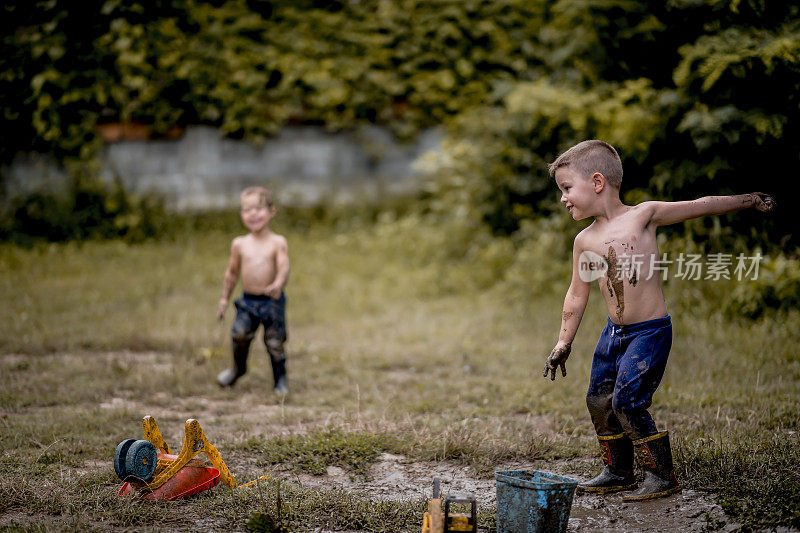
394	477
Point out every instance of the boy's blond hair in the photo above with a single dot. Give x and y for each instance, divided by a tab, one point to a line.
592	156
263	194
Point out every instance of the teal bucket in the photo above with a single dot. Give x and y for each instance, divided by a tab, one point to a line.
533	502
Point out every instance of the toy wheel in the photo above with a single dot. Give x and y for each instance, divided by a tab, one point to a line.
141	459
119	457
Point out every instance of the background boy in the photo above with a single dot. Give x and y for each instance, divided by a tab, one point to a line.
619	249
262	259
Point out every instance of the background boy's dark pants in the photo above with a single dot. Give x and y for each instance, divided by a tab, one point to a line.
251	312
628	365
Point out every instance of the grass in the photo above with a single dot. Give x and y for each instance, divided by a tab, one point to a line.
406	336
285	507
315	452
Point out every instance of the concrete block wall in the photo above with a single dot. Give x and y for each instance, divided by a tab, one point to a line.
202	170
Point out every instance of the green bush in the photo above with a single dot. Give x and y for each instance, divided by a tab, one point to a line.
86	210
249	67
682	108
493	165
695	111
777	286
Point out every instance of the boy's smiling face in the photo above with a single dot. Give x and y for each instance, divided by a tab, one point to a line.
577	192
256	214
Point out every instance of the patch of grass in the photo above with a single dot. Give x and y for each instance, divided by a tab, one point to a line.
23	528
313	453
81	497
470	443
285	507
767	487
483	444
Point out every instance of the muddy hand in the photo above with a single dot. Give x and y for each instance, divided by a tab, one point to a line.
274	292
763	202
558	357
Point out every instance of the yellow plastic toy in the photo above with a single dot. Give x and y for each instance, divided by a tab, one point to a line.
437	520
149	467
194	442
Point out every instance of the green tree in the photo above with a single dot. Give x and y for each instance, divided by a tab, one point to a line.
251	66
699	97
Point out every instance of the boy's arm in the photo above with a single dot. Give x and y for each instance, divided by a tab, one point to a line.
282	268
665	213
571	315
229	278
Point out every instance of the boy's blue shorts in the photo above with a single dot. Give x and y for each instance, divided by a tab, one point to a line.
252	310
629	362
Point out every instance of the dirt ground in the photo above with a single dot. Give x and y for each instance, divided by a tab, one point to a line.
394	477
397	477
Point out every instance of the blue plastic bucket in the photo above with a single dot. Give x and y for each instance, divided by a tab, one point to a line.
533	502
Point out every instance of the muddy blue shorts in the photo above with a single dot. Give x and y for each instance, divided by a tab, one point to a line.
253	310
629	362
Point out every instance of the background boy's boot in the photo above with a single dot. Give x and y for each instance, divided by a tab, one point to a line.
617	452
279	373
655	458
228	377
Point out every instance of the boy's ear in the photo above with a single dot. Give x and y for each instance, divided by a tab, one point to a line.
598	182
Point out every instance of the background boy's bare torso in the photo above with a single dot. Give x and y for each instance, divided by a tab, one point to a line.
258	265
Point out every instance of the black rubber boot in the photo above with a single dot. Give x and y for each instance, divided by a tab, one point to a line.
655	458
617	452
228	377
279	374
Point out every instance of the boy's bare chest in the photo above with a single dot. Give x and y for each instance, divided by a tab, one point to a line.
258	254
623	241
621	255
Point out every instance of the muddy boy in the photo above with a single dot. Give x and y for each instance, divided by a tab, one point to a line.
619	250
261	258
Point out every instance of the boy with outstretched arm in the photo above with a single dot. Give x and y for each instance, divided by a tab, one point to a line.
619	249
262	259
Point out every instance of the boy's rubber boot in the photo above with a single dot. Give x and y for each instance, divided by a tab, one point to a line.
655	457
279	374
617	452
228	377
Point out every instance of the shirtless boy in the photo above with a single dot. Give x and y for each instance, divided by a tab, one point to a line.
262	259
619	249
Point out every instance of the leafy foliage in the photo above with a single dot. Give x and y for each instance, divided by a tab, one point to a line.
698	97
250	67
87	209
493	165
776	287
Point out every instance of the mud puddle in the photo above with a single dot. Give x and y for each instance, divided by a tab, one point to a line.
394	477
